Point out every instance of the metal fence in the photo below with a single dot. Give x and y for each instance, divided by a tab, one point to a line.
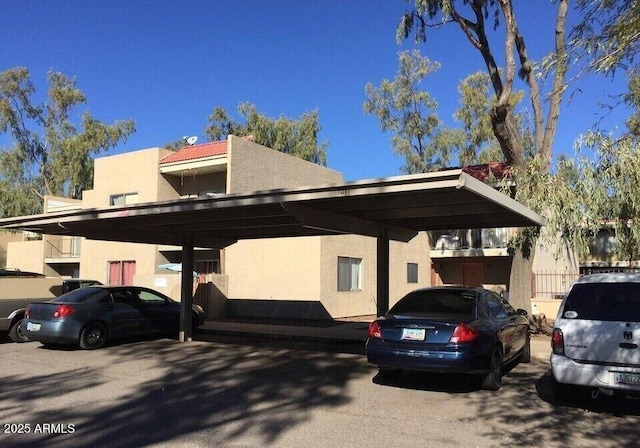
547	284
550	284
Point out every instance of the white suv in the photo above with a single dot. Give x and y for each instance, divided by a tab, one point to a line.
596	335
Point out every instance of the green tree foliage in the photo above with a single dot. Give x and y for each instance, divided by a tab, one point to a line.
48	153
409	112
608	34
295	137
608	185
632	98
471	17
476	19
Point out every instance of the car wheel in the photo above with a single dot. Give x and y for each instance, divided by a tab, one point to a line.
493	379
525	357
93	336
16	334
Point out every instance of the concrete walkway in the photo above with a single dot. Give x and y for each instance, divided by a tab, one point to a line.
353	330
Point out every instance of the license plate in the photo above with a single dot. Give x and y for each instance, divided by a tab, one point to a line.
33	327
632	379
413	334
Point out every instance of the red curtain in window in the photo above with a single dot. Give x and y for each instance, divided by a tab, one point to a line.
128	271
114	273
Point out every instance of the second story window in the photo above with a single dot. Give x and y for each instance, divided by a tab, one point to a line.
123	199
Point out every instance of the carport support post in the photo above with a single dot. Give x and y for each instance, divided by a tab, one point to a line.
382	271
186	295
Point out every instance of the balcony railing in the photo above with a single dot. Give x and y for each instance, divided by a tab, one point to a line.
462	239
62	247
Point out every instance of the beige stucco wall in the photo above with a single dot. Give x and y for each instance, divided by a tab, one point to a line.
96	255
349	303
131	172
279	268
5	239
358	303
415	251
43	288
253	167
26	256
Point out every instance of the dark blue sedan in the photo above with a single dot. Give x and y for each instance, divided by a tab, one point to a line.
450	329
93	315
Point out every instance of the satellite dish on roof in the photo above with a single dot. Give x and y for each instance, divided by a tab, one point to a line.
192	140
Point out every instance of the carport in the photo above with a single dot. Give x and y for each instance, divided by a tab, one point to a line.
394	208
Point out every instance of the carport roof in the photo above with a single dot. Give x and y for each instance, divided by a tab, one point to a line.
403	205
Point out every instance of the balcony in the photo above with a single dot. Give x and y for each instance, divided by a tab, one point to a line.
470	242
62	250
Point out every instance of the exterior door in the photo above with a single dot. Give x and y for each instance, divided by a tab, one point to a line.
472	274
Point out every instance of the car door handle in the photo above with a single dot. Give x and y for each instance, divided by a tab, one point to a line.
628	346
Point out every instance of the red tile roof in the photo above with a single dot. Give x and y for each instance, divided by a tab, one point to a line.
194	152
499	170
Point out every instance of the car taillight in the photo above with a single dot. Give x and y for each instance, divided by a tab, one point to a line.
375	332
27	311
463	333
557	342
62	311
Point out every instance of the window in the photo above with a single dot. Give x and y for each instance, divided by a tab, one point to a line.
123	199
495	309
121	272
349	274
412	272
149	297
437	302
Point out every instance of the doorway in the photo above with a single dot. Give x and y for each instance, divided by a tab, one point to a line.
472	274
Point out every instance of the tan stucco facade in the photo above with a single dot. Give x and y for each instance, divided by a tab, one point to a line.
26	256
306	270
283	277
253	167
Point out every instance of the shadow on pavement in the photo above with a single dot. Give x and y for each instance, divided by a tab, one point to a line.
225	391
525	413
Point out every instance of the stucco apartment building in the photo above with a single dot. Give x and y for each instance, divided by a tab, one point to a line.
304	277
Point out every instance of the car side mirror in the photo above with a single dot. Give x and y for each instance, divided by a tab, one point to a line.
522	312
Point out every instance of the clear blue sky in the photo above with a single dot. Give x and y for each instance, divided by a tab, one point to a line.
167	64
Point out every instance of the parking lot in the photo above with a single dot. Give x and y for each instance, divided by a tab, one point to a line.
240	391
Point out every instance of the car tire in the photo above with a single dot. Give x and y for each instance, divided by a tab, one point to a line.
493	379
16	334
525	357
93	336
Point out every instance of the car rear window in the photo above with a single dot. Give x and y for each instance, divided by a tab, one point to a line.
437	303
82	295
604	301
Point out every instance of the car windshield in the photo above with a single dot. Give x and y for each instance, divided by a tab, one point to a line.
81	295
437	302
604	301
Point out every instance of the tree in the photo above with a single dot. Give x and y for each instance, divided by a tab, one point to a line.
613	179
608	35
295	137
48	154
471	16
410	113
